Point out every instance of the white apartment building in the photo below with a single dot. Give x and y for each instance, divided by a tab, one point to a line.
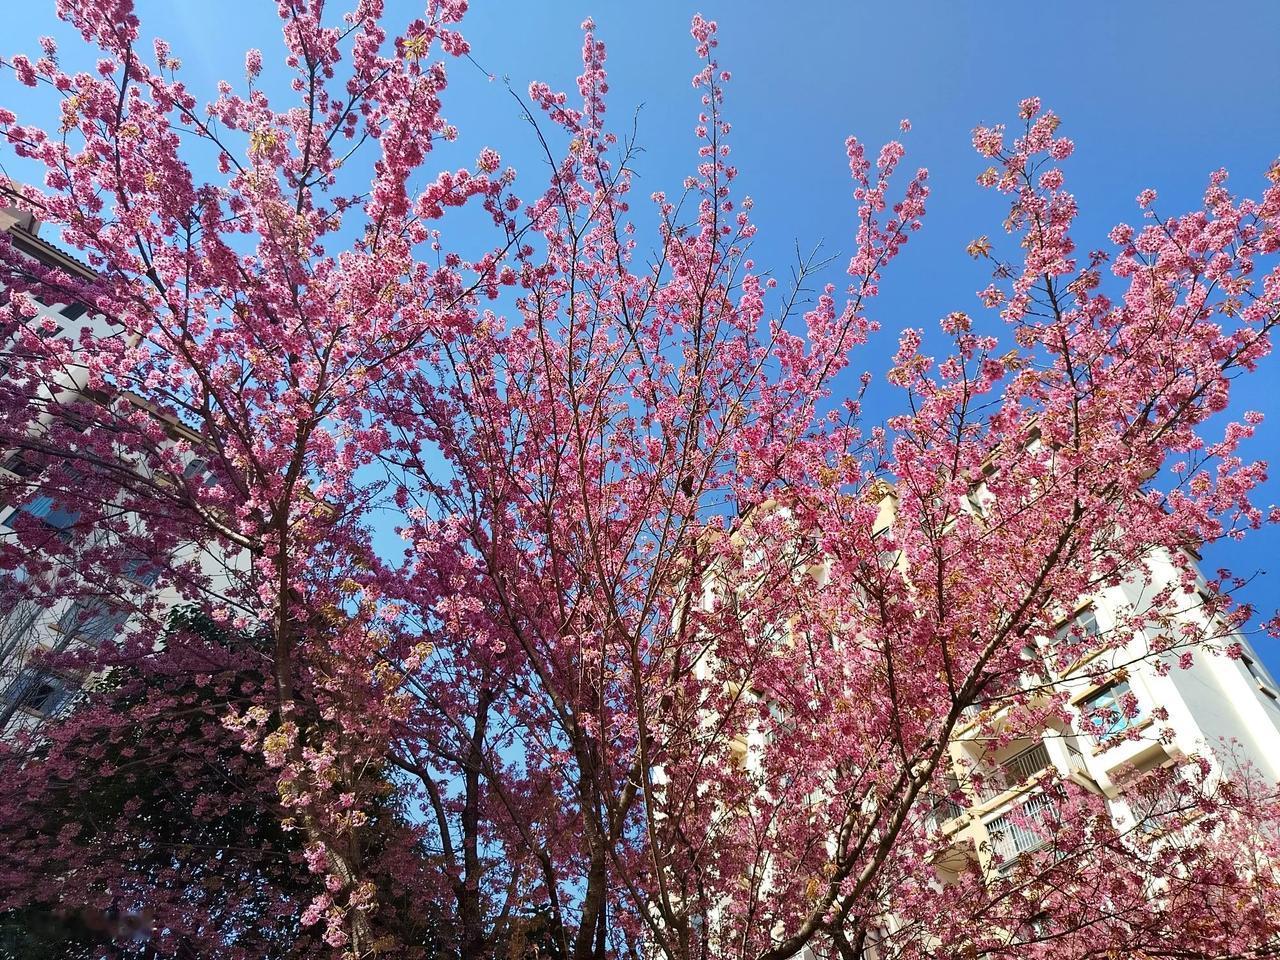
84	614
1222	710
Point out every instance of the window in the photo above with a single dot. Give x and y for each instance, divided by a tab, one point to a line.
138	569
38	691
888	557
92	620
49	512
73	311
1082	627
22	467
18	620
18	613
197	474
941	808
1251	666
1038	927
1254	670
1110	711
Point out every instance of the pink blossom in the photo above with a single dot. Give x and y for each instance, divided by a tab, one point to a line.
536	552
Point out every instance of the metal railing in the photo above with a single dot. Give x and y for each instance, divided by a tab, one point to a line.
1075	758
1022	831
1019	768
941	810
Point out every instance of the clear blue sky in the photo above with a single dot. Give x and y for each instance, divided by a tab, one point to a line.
1154	92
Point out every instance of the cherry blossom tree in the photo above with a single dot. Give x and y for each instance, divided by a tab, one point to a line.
677	646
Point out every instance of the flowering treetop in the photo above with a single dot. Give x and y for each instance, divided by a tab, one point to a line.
614	463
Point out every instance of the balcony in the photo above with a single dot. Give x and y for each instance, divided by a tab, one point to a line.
1020	831
942	810
1075	758
1013	771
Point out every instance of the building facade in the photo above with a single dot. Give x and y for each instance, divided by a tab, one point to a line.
1132	710
1119	705
39	623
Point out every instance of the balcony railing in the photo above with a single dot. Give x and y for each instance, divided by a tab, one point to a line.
1018	832
1019	768
1075	758
1025	764
942	809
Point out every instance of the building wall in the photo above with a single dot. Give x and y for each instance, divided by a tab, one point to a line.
28	626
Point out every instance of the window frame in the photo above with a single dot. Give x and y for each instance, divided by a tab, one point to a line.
18	692
1089	707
